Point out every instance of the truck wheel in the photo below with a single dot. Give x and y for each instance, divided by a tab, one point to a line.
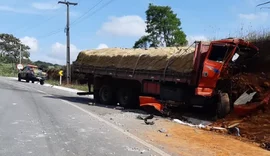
106	95
96	96
33	81
127	98
223	105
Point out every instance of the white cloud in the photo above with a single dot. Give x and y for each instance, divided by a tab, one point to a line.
254	16
102	46
132	25
16	10
58	53
46	5
31	42
191	39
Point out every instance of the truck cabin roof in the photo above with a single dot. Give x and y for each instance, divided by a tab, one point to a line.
239	42
245	48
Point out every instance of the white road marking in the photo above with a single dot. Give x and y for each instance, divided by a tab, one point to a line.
157	150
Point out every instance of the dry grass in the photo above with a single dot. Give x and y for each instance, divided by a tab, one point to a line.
181	59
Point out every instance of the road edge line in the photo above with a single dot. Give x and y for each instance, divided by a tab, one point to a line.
152	147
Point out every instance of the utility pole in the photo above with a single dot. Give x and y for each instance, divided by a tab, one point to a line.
68	72
20	54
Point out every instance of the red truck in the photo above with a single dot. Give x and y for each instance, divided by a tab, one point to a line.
208	84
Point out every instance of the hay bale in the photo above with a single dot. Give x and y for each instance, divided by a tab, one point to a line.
180	59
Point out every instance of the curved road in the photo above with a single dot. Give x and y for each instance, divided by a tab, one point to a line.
37	122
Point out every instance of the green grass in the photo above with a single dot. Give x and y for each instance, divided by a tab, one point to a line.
8	70
73	86
52	82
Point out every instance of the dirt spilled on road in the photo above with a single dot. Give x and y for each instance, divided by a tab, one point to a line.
188	141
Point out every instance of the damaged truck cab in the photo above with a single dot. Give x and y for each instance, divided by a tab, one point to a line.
207	83
221	58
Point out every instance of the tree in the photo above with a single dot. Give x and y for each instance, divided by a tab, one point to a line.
141	43
163	28
10	47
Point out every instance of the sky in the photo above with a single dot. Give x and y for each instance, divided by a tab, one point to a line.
99	24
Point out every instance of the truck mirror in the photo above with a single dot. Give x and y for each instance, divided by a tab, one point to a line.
235	57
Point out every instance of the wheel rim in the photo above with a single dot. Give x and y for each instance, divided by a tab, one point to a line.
105	94
125	97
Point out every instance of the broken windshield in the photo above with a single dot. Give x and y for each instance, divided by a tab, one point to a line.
219	52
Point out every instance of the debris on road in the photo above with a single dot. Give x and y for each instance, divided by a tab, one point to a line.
162	130
266	146
244	98
147	118
119	108
189	124
168	135
234	131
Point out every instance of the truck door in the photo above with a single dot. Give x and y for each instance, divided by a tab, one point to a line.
201	50
212	66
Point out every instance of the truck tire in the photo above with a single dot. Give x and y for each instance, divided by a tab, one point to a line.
128	98
223	105
96	96
106	95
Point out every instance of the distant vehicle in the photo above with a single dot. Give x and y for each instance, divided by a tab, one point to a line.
32	73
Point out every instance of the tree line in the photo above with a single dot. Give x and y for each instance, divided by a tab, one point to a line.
10	47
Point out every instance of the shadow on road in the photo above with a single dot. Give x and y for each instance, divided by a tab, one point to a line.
89	101
179	112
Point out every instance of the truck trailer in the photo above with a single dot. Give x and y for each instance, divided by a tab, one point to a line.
199	75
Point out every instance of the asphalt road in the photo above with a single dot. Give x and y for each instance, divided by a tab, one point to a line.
39	120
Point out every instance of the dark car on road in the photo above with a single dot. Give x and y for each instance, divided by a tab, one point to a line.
32	73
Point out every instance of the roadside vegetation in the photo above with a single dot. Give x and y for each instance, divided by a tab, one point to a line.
82	87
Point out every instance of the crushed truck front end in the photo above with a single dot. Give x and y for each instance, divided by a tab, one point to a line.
220	64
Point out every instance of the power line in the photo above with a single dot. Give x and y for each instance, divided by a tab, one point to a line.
37	25
100	8
72	23
86	12
263	3
60	29
264	8
51	33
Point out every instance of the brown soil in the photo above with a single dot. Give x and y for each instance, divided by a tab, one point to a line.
189	141
254	126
